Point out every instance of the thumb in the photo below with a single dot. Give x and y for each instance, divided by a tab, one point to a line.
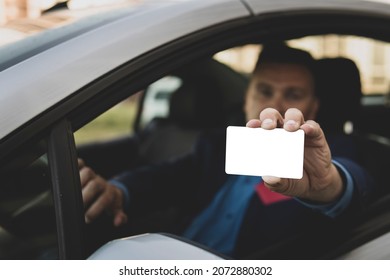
276	184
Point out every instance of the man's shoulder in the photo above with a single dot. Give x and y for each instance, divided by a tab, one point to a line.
215	138
210	147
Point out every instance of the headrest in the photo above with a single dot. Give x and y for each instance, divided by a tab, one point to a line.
196	105
211	95
338	88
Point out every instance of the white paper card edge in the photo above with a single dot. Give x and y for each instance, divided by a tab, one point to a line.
261	152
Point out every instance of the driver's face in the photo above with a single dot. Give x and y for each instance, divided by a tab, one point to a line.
281	86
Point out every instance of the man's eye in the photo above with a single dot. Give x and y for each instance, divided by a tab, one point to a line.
264	91
294	95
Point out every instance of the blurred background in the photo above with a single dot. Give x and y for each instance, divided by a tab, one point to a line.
20	18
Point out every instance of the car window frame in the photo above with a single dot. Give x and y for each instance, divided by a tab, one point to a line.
146	65
65	187
67	195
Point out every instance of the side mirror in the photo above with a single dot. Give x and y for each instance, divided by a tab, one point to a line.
153	246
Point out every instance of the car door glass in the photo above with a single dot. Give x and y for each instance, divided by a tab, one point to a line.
157	96
27	216
112	124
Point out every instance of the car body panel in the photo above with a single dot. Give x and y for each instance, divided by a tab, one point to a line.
66	26
376	249
151	246
91	55
306	6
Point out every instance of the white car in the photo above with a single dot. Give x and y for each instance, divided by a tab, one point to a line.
54	83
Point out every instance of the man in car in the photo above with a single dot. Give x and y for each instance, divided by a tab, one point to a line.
237	215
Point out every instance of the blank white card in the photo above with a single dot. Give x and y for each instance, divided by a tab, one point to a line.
261	152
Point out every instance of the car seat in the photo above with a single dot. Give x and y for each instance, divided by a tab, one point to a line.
210	96
339	92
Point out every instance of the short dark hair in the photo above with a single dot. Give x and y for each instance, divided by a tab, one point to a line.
279	52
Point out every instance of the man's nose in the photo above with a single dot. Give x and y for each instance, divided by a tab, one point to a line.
277	103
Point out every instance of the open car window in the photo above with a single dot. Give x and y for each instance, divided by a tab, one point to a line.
140	110
373	65
209	93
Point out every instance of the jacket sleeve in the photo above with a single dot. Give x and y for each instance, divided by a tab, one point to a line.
157	186
363	184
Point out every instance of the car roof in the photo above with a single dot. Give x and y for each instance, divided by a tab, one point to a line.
28	37
59	62
352	6
33	85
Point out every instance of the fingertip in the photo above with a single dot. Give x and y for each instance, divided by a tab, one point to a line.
271	180
254	123
268	124
291	125
120	219
117	222
270	118
311	129
80	163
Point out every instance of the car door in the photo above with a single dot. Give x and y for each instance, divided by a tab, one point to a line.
41	207
41	196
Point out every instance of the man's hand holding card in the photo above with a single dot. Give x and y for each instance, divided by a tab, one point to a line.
290	153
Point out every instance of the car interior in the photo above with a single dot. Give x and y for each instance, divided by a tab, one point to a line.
27	217
197	105
192	109
209	96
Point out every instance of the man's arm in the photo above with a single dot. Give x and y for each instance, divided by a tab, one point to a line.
144	189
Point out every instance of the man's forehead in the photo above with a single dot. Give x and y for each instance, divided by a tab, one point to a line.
283	72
